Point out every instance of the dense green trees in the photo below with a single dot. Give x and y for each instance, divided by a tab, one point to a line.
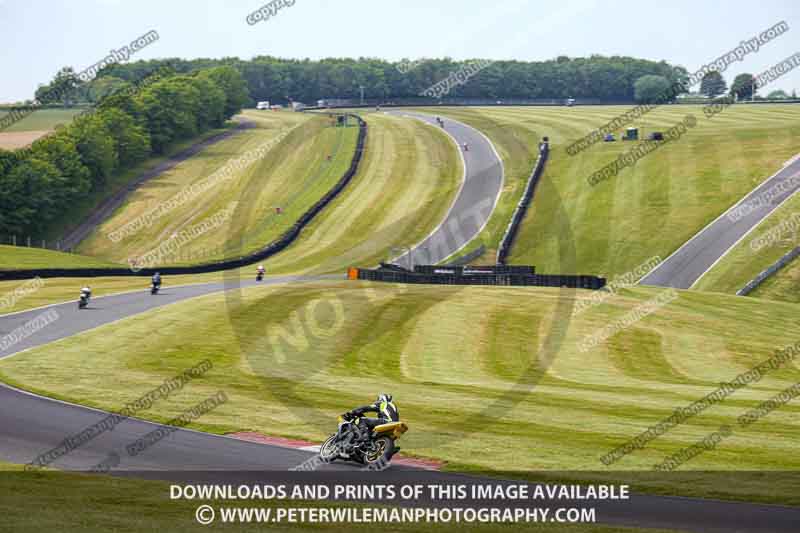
61	90
742	87
713	84
278	80
95	146
778	95
652	89
131	141
134	119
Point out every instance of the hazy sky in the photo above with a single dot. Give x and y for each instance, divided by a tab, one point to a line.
41	36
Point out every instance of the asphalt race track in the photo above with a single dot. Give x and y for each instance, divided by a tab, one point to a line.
31	425
687	265
475	202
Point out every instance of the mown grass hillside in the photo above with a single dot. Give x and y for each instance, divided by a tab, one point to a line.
407	181
284	164
487	378
647	210
22	257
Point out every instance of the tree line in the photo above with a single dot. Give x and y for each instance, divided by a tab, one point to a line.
742	88
136	120
280	80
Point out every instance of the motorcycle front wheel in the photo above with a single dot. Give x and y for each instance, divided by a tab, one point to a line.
381	451
329	451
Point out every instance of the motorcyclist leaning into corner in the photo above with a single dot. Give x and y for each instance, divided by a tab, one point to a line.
387	412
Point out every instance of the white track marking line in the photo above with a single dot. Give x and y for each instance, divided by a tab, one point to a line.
731	208
463	183
748	232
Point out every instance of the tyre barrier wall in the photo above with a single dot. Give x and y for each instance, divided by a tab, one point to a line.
468	278
758	280
522	207
271	249
462	270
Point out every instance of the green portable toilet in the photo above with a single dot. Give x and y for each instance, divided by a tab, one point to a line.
631	134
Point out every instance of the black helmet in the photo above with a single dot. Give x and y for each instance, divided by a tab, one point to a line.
383	397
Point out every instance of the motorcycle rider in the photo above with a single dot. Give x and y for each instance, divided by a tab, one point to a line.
387	412
466	147
156	280
86	293
260	270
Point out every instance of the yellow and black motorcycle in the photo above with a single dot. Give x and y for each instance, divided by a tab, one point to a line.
378	449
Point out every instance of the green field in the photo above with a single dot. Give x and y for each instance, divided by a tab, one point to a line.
16	257
43	119
510	392
647	210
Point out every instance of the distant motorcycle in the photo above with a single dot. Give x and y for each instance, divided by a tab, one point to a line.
259	276
379	448
83	302
154	287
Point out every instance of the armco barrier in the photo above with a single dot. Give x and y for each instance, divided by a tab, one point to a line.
527	197
434	275
779	264
271	249
473	255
